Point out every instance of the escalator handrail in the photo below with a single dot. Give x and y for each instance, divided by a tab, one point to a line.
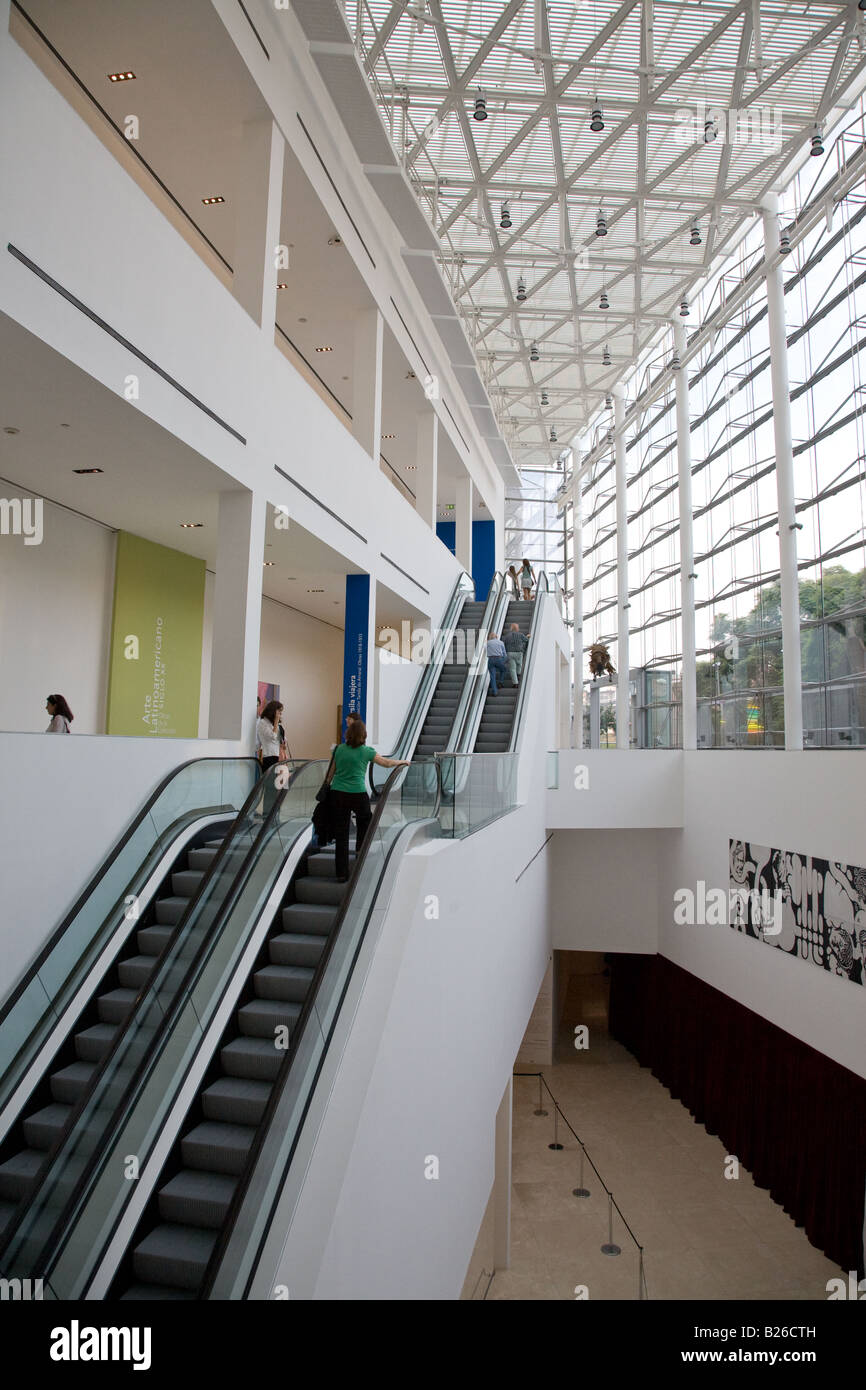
427	684
533	634
53	1242
264	1125
36	965
477	666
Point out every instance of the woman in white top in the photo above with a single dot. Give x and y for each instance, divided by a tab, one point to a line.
268	738
527	580
60	714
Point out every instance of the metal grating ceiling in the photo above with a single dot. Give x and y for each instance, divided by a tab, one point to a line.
765	71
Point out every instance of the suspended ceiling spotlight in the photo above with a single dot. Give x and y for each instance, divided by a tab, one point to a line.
817	141
695	238
553	438
604	302
534	354
710	130
676	363
480	112
684	309
505	220
601	223
605	361
545	399
521	289
596	123
785	235
608	402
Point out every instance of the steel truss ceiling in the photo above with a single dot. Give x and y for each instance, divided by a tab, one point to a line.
764	73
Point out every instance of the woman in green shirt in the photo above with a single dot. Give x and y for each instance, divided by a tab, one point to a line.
349	785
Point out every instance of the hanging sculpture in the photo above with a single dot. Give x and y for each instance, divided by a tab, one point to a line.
599	660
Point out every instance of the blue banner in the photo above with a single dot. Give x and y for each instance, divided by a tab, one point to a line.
356	645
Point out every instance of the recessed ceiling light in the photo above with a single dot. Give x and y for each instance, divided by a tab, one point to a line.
269	564
121	77
335	240
303	320
292	578
282	285
345	378
315	591
190	525
411	468
324	349
11	429
216	199
88	470
64	424
389	436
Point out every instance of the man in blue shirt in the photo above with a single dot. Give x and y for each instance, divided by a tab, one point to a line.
496	662
515	646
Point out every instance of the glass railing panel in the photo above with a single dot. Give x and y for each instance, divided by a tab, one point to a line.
477	788
140	1078
209	786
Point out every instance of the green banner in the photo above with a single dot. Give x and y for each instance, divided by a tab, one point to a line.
154	680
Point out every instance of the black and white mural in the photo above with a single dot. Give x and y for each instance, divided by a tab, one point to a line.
811	908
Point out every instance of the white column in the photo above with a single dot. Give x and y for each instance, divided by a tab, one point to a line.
622	660
688	677
257	222
788	526
237	617
367	383
463	525
577	600
427	477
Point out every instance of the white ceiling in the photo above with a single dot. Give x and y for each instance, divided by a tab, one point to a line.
541	68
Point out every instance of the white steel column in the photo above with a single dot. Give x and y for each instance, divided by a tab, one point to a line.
502	1182
237	616
367	383
257	229
622	605
463	525
577	597
427	477
788	527
688	676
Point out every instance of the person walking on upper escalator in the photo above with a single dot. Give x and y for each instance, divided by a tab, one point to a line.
527	580
515	645
496	663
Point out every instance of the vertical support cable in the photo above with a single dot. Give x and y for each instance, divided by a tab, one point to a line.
622	604
788	527
577	594
688	678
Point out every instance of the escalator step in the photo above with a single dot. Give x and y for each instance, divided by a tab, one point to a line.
174	1255
69	1085
7	1210
43	1129
134	972
202	858
312	918
255	1058
318	889
201	1199
186	883
217	1147
296	949
152	941
93	1043
261	1017
115	1006
170	910
322	862
283	982
236	1100
18	1173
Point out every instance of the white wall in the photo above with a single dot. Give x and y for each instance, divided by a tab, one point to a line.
65	803
55	616
811	803
604	887
396	680
305	658
617	789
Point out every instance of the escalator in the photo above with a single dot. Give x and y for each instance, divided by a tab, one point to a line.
437	728
64	1014
498	711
